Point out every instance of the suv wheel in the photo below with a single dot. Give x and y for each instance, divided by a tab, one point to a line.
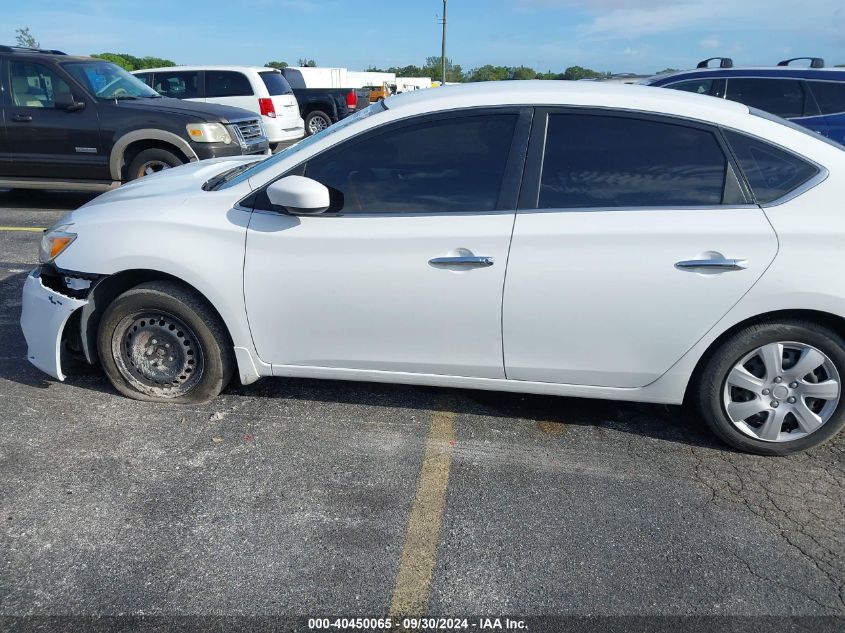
151	161
161	342
775	388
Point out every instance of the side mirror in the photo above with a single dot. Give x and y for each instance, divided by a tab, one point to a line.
65	101
299	195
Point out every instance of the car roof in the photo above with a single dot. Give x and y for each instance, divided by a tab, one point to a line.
262	69
565	93
827	74
45	55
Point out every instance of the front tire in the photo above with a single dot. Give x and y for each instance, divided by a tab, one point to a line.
161	342
774	388
151	161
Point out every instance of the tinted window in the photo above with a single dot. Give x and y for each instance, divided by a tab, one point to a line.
181	85
830	96
147	78
276	84
783	97
226	84
36	86
454	164
606	161
771	171
698	86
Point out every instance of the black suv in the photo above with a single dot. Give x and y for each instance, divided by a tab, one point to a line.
86	124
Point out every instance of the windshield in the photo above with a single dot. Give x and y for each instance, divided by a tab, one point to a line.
303	144
109	81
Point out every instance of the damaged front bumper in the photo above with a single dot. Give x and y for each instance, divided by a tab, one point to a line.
43	318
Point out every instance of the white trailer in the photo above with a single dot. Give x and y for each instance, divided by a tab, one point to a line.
362	79
406	84
308	77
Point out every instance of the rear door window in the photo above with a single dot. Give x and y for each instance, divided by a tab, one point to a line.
830	95
783	97
601	161
276	84
772	172
177	84
224	83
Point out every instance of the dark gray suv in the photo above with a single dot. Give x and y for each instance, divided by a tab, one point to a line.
86	124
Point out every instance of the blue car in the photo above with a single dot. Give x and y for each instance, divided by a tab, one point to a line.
813	97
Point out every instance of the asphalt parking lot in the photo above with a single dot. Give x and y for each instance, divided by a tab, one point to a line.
301	497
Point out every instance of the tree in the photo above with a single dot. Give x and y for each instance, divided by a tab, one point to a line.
488	72
309	63
574	73
130	62
522	72
278	65
433	69
666	71
25	38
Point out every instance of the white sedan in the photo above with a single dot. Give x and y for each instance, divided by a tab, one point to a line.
561	238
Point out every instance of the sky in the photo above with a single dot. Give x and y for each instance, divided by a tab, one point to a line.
609	35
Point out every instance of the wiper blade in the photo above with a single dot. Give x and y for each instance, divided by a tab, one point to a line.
213	183
122	97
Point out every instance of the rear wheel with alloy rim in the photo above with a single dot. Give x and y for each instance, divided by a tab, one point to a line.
160	341
317	121
775	388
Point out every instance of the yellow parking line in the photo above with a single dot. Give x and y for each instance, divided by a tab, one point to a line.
33	229
422	536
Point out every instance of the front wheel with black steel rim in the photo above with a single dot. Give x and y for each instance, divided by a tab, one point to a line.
162	342
317	121
775	388
151	161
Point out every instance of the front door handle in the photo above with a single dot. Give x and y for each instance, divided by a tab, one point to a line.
22	118
473	260
712	264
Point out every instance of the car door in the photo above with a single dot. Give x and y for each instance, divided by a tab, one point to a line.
46	139
5	159
633	238
404	273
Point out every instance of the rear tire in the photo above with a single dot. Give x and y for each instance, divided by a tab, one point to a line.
161	342
316	121
757	372
150	161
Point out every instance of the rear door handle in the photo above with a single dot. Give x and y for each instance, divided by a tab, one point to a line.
22	118
474	260
712	264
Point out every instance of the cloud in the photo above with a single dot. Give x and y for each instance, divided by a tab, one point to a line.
710	42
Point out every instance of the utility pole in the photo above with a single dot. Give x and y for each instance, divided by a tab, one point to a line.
443	49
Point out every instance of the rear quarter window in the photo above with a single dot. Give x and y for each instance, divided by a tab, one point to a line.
772	172
276	84
830	95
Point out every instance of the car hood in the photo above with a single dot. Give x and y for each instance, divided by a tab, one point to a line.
183	180
191	109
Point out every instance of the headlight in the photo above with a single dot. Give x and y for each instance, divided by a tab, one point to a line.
209	133
54	243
